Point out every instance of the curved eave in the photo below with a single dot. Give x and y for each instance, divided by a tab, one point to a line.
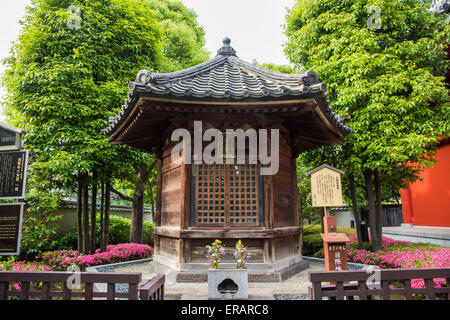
140	91
147	108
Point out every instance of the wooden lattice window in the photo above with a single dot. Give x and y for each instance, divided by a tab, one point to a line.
226	195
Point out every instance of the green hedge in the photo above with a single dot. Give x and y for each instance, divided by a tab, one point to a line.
312	244
119	232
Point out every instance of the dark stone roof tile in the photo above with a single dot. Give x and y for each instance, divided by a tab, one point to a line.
224	78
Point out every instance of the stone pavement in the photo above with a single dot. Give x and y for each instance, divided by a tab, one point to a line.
296	285
434	235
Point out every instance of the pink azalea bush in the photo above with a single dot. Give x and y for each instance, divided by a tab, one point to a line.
62	259
397	254
58	259
12	265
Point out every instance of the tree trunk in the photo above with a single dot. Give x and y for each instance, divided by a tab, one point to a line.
106	218
93	213
368	180
152	201
137	214
86	238
300	219
378	205
102	204
322	214
355	209
80	216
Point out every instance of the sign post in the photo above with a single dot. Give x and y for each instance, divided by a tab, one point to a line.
13	172
11	215
10	138
13	169
326	191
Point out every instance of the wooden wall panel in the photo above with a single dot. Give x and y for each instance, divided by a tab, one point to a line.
169	247
254	246
286	246
282	191
171	198
171	191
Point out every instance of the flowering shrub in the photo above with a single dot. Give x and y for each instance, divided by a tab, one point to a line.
397	254
393	254
62	259
213	253
241	254
13	265
115	253
58	259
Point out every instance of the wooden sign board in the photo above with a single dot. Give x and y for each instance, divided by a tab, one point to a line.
326	189
335	237
10	138
11	215
335	251
13	171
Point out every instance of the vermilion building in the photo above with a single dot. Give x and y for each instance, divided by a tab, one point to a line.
426	202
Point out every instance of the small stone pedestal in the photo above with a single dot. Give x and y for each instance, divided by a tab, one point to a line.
227	284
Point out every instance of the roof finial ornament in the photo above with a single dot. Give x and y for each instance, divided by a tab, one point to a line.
226	49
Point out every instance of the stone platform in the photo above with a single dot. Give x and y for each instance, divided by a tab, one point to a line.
254	273
294	286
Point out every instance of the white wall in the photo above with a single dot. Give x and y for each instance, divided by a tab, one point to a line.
344	218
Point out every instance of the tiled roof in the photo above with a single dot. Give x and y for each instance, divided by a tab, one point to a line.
225	78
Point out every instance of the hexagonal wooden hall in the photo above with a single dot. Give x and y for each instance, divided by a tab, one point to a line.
199	202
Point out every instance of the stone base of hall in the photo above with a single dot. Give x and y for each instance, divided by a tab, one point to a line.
257	272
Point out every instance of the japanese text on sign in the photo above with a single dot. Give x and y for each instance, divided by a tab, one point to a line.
326	188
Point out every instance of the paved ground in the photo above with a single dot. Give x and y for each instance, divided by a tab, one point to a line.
418	229
296	285
435	235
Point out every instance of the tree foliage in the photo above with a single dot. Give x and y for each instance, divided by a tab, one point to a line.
183	39
282	68
383	62
68	73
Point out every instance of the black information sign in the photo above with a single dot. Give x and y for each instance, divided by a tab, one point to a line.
13	169
10	228
7	137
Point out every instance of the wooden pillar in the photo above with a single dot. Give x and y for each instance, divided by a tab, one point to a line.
158	202
295	192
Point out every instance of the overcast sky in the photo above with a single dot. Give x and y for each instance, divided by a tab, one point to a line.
254	26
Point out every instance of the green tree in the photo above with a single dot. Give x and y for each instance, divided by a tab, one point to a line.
183	39
67	74
275	67
383	62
